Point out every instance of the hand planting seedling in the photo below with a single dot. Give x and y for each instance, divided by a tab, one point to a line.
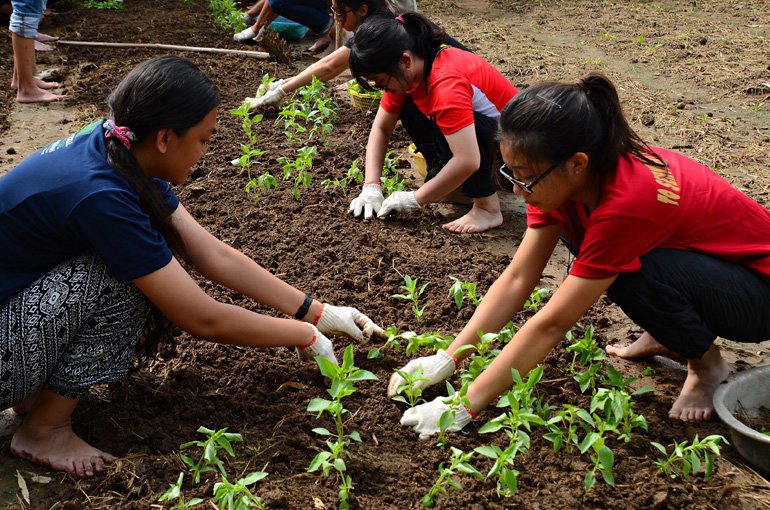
215	442
460	290
237	496
446	422
413	295
412	393
685	460
479	360
459	462
342	379
175	492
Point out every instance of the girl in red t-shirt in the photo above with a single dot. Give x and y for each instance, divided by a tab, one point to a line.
653	229
460	96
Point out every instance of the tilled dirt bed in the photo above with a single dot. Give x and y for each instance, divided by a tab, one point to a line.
690	75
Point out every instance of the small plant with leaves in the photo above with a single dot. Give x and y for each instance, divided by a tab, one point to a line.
433	341
567	435
413	294
535	299
588	354
227	16
354	173
597	431
446	422
342	378
299	169
390	179
391	343
412	395
617	406
175	492
461	290
215	442
482	357
237	496
687	459
251	150
459	463
104	5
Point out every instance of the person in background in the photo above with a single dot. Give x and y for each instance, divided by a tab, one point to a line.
89	227
653	229
314	14
460	96
23	25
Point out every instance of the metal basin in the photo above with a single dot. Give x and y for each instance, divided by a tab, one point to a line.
750	390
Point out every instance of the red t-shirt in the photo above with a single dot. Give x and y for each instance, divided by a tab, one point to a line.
643	207
460	83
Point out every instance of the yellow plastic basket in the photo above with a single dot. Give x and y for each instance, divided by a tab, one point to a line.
419	161
369	101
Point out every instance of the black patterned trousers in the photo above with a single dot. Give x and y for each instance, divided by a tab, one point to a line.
74	327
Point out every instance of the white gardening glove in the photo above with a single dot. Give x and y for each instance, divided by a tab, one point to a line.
399	201
424	418
265	88
435	368
245	34
346	320
368	202
270	98
320	346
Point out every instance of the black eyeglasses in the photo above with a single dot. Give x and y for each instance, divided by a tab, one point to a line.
337	14
527	188
382	87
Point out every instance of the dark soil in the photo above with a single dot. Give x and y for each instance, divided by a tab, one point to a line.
698	92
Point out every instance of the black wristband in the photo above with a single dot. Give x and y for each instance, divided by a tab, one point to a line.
304	308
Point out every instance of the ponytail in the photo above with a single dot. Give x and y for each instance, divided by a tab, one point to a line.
380	42
552	121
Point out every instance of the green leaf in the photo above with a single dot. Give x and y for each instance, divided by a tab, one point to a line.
318	461
363	375
606	457
322	431
487	451
318	405
253	477
447	420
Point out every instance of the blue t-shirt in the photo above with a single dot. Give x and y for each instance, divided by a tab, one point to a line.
66	199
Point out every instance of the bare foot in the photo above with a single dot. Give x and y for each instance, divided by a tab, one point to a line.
484	214
321	44
60	449
325	53
644	347
45	85
42	47
37	95
46	38
703	377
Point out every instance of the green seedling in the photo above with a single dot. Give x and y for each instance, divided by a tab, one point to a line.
535	299
342	378
521	415
459	462
390	343
433	341
446	422
615	379
461	290
106	4
757	106
649	49
587	353
301	166
685	460
353	174
237	496
227	16
605	37
175	492
603	458
617	406
649	371
479	360
392	184
251	150
567	436
413	295
412	395
209	461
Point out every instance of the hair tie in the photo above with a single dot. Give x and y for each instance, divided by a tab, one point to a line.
400	19
122	133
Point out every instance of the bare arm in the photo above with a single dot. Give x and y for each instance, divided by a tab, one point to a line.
325	69
537	337
465	160
377	146
510	291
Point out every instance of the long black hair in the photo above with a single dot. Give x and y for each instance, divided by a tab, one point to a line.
380	42
551	121
166	92
373	5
